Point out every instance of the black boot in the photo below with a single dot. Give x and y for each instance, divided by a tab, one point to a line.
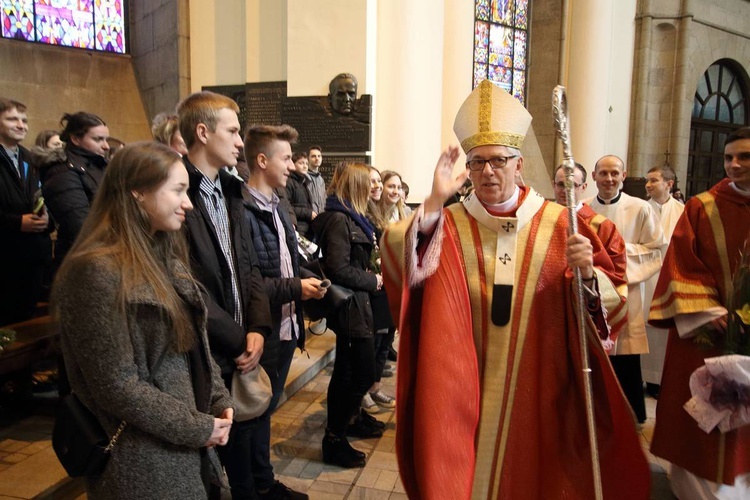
392	354
338	451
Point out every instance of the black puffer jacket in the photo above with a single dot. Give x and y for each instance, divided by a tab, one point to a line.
346	258
265	240
299	198
70	179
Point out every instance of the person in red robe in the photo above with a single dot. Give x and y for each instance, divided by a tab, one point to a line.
692	294
490	389
605	229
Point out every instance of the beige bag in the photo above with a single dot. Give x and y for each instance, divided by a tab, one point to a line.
251	393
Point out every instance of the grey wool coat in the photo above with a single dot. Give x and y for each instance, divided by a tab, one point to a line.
109	364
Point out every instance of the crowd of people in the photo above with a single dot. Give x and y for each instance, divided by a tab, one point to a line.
171	263
182	261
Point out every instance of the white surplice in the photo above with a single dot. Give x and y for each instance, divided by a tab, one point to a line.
652	364
639	226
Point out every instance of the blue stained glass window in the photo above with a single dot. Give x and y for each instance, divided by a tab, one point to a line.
86	24
500	44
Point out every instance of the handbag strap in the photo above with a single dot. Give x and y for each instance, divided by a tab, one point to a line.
121	427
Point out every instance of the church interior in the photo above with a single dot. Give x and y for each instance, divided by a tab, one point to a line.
654	82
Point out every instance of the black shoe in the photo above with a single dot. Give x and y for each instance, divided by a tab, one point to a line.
392	354
653	390
338	451
371	420
280	491
363	427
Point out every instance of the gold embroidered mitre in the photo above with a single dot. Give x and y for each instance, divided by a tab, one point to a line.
490	115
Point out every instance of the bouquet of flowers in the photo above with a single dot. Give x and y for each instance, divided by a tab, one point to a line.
721	388
375	257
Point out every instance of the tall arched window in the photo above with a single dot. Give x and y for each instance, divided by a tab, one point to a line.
86	24
720	106
500	37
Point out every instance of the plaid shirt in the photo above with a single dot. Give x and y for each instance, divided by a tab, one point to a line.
213	199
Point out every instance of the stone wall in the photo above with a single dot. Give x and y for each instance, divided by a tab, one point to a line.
55	80
544	71
160	48
676	42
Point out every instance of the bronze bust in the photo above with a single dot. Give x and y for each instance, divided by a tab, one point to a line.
342	93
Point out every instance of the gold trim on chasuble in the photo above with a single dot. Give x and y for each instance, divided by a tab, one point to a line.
712	211
610	295
498	352
720	239
696	297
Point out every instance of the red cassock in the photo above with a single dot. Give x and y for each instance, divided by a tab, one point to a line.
488	411
611	239
696	275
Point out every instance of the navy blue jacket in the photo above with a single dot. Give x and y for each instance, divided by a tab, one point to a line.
265	240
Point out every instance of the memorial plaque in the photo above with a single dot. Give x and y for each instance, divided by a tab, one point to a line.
317	125
264	102
238	94
329	164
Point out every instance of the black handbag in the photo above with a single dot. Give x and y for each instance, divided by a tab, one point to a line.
336	296
79	440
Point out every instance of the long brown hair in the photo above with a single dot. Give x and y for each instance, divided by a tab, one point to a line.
351	182
117	230
374	213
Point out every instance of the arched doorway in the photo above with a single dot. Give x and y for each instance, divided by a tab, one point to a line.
719	107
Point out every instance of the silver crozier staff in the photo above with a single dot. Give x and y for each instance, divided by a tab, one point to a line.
560	111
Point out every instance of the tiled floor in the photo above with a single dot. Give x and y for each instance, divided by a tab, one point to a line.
28	465
297	430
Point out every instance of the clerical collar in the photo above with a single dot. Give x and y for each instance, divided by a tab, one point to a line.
739	190
609	202
508	205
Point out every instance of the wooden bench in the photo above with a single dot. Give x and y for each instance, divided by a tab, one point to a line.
35	340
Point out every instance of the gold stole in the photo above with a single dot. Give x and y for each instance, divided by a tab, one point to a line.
500	348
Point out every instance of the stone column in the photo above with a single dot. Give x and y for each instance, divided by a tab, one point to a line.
159	37
409	101
600	76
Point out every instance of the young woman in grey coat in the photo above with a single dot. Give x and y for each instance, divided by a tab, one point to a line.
124	296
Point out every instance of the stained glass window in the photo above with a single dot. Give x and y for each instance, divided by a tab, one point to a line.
18	19
500	39
110	25
86	24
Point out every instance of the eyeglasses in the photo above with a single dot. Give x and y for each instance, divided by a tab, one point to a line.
561	185
495	162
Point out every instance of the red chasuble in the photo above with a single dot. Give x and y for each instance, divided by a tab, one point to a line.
696	275
488	411
612	240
